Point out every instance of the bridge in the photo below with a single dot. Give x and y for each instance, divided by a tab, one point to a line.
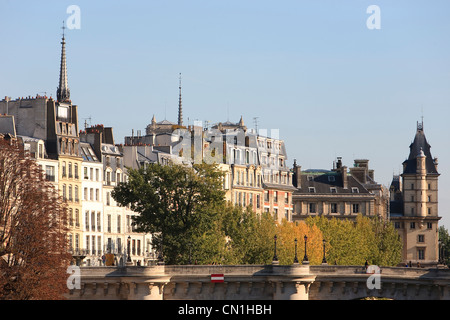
259	282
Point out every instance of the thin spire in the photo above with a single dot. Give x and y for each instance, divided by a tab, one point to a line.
63	91
180	109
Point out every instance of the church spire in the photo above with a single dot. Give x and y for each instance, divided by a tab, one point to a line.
180	109
63	91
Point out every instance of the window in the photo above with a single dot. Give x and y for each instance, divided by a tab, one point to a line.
312	190
70	193
86	220
76	194
355	190
412	186
421	254
50	173
76	170
64	192
286	214
421	238
429	225
331	178
85	170
63	171
333	189
41	151
77	218
275	196
333	207
355	207
108	219
397	225
286	197
412	225
429	198
70	170
310	178
92	221
266	196
258	199
312	208
99	228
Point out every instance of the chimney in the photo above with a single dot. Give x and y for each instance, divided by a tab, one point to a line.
343	170
297	181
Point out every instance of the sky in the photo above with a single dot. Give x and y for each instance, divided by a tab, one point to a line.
314	70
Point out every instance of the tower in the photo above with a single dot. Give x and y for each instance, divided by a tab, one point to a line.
63	91
417	219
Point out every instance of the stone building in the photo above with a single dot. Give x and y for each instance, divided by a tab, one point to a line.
414	203
339	192
56	123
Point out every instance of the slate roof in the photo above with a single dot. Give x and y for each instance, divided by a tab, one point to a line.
420	142
323	181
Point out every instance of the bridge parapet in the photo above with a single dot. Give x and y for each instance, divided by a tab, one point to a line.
258	282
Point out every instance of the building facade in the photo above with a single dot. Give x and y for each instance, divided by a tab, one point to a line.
414	203
339	192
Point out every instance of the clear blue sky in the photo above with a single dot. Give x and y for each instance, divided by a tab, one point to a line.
311	69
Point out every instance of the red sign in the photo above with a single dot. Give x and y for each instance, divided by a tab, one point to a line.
218	277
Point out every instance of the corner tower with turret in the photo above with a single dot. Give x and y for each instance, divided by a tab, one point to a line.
417	218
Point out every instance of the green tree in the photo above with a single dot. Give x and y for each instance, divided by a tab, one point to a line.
444	239
353	242
249	236
179	205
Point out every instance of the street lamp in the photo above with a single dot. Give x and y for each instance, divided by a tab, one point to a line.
324	260
295	258
128	249
305	258
275	258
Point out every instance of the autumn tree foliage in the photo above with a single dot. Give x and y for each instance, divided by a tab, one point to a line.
33	246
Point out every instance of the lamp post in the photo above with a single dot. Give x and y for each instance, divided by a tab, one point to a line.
305	258
295	258
324	260
128	250
275	258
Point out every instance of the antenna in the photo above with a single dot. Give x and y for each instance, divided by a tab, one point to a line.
255	121
63	28
85	122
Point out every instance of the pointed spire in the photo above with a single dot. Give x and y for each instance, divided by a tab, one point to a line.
241	122
180	109
63	92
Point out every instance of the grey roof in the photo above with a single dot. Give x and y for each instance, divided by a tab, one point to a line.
419	143
323	181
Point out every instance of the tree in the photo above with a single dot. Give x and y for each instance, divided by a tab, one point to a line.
444	246
249	236
354	242
288	232
33	246
179	205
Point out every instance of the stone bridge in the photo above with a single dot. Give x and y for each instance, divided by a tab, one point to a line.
259	282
